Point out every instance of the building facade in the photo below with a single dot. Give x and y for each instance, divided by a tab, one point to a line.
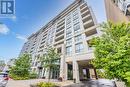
118	10
70	33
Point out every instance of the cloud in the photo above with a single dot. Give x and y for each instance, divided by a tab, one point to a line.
4	29
14	18
21	37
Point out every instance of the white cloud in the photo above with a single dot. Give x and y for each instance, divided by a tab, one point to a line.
4	29
21	37
14	18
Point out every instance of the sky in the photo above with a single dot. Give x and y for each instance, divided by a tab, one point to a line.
30	16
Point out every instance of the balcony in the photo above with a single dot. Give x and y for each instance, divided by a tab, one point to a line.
90	28
88	24
85	13
58	26
91	32
59	38
59	42
41	46
59	33
84	9
82	5
43	42
40	51
86	18
60	21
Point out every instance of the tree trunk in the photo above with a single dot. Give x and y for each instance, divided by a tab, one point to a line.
49	74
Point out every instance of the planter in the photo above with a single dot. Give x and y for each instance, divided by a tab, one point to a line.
120	84
36	86
60	79
33	86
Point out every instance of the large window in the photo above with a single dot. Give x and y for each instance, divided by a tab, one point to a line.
68	33
68	50
75	17
77	28
79	47
78	38
76	21
68	41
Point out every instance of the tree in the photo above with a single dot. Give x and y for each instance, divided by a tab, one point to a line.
112	51
2	65
50	59
21	68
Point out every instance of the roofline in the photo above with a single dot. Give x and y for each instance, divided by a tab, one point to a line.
55	18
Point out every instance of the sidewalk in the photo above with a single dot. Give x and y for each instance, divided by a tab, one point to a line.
26	83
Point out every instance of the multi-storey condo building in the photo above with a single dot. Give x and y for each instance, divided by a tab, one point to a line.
70	33
118	10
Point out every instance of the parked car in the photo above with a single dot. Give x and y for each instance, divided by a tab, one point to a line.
3	79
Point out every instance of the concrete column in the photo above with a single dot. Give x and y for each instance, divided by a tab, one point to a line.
66	71
62	63
62	67
46	74
92	73
76	71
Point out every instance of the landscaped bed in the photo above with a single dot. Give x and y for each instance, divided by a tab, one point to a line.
45	84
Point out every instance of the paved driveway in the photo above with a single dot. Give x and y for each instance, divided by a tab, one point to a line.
26	83
93	83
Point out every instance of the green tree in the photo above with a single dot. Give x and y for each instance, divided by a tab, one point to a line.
50	60
21	68
2	65
112	51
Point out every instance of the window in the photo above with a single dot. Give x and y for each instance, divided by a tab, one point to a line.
76	21
68	50
75	17
76	28
68	42
68	21
79	47
78	38
68	26
75	12
68	33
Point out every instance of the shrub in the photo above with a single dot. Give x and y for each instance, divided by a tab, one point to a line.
46	84
33	76
15	77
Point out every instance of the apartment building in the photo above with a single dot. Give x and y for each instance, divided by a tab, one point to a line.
118	10
70	33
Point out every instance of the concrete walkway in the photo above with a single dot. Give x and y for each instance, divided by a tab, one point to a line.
26	83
